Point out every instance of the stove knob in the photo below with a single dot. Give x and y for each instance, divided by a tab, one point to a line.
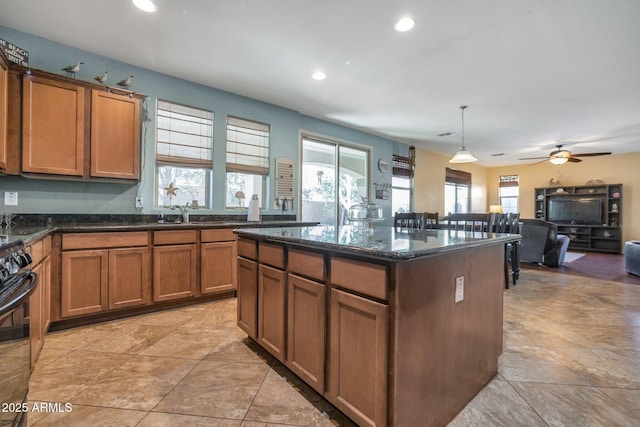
4	273
23	260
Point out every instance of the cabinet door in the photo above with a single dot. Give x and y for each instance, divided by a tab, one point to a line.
84	282
53	127
248	297
306	330
174	272
36	308
358	358
218	269
4	93
45	281
128	277
272	294
115	135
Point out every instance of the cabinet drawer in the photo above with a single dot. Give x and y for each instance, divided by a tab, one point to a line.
174	237
308	264
362	277
104	240
224	235
247	248
271	254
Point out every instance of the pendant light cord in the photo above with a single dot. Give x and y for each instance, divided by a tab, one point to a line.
462	107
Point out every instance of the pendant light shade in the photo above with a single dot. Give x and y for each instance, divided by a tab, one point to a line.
463	156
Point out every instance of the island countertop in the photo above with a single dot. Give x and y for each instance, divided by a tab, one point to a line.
385	242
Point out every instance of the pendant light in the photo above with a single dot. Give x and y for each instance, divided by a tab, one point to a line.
463	156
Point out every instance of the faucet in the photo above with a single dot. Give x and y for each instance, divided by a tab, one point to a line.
183	211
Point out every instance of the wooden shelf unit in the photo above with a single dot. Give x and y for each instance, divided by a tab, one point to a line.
605	237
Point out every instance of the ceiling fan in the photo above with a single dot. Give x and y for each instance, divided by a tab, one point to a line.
560	156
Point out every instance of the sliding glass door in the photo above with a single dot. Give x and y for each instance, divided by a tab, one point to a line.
334	177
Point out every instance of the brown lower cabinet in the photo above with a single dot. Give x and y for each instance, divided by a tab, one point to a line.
272	299
357	377
40	300
98	275
174	264
218	259
248	296
306	319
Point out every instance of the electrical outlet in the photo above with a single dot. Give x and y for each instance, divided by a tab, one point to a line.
459	289
139	202
11	198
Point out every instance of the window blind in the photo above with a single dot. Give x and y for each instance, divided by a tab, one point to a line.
453	176
247	146
185	136
402	167
509	181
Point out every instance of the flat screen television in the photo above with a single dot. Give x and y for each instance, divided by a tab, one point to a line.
575	210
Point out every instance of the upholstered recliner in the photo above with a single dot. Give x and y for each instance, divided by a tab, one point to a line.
541	243
632	257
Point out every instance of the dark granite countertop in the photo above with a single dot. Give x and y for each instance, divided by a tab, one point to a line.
385	242
31	233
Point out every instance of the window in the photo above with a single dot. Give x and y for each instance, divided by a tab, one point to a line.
334	176
457	191
401	184
247	160
184	155
508	192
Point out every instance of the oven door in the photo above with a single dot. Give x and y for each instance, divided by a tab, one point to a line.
15	369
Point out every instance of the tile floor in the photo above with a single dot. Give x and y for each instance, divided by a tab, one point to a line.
571	358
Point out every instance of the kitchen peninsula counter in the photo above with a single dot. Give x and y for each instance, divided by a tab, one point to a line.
395	328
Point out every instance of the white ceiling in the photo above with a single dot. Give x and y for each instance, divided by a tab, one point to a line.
533	72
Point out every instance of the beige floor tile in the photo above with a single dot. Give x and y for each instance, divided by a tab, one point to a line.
602	368
83	416
171	318
630	399
188	342
125	338
158	419
497	404
216	389
236	349
568	405
534	364
278	401
64	378
140	383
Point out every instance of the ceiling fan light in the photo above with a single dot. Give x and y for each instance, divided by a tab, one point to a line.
559	160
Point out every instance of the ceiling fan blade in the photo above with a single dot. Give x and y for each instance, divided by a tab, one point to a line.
573	159
590	154
534	158
539	161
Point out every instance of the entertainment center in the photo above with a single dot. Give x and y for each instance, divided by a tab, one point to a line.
591	215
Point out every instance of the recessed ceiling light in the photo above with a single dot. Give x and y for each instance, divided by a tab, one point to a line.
318	75
145	5
497	154
404	24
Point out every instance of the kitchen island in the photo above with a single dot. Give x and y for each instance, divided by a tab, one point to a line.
395	328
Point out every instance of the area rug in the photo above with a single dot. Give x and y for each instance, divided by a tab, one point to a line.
572	256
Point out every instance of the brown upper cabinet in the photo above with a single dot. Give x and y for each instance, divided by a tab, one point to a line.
72	128
52	127
115	136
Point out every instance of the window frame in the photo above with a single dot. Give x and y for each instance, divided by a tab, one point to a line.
242	168
176	134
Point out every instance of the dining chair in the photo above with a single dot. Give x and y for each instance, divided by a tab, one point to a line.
478	222
430	221
406	220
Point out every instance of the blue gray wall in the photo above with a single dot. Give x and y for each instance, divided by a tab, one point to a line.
54	196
